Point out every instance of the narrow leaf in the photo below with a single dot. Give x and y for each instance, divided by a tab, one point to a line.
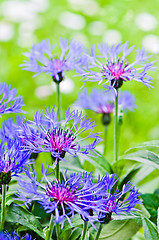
150	229
144	156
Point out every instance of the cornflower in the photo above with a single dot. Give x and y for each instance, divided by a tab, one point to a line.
41	58
118	202
76	194
9	103
14	236
59	137
12	159
103	102
114	69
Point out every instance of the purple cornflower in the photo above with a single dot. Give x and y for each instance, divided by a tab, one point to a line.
12	159
116	201
9	128
9	103
47	134
75	194
41	58
115	69
14	236
103	102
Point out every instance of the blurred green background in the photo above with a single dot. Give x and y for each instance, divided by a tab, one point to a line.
23	23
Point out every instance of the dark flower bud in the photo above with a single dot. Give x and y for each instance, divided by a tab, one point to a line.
5	177
106	119
118	83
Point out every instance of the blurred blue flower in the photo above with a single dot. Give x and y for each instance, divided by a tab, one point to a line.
115	69
14	236
9	103
41	58
12	159
50	135
101	101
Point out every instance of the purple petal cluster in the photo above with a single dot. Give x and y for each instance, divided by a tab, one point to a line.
101	101
12	159
112	67
47	134
14	236
78	194
9	103
41	58
118	201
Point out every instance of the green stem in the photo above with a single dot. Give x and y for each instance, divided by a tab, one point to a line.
99	231
58	231
51	225
58	100
3	206
105	139
116	137
58	170
84	230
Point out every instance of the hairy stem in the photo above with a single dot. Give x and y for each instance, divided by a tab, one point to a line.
105	139
85	224
116	130
3	206
51	225
99	231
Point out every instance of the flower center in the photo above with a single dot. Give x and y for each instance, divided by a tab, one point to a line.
58	66
118	71
61	139
110	206
60	193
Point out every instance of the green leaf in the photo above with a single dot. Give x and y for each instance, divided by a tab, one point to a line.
17	214
158	220
101	163
119	229
144	156
150	229
75	234
151	203
153	143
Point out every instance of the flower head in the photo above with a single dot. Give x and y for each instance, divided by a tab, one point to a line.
50	135
42	60
14	236
115	69
76	194
103	102
9	103
116	201
12	159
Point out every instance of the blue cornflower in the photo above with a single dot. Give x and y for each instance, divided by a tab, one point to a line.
74	194
12	159
47	134
116	201
9	128
103	102
115	69
41	58
14	236
9	103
